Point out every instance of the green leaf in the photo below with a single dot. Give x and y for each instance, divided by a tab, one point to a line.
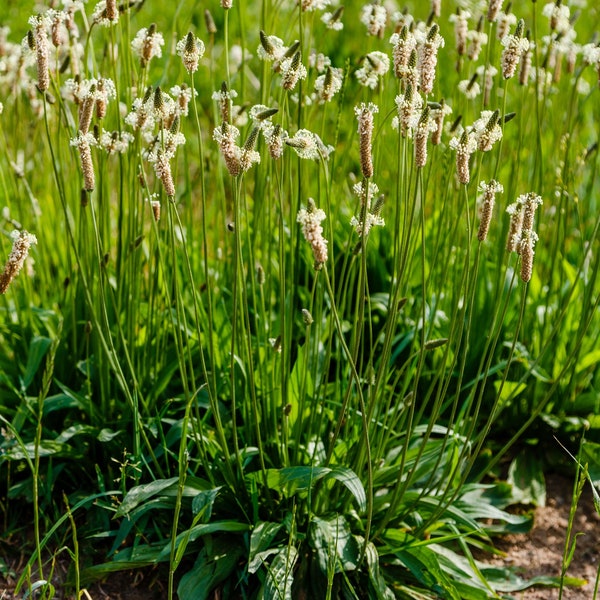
423	563
143	492
336	547
571	552
300	478
291	480
47	589
464	573
260	542
166	487
193	533
60	402
506	580
527	478
510	390
209	570
280	577
37	350
382	591
350	479
79	429
588	360
46	448
202	504
106	435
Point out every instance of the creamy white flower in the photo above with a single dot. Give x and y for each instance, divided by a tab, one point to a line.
147	44
115	141
374	17
558	15
310	219
375	65
329	84
332	21
309	145
469	88
191	50
312	5
271	48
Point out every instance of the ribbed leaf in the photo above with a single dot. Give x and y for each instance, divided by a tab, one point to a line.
260	541
209	571
350	479
165	487
382	591
192	534
334	544
143	492
278	584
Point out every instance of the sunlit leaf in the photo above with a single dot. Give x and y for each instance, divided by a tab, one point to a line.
260	541
280	576
527	478
334	544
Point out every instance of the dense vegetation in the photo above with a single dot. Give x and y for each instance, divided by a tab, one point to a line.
298	300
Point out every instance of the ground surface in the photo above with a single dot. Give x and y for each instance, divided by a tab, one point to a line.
537	553
540	551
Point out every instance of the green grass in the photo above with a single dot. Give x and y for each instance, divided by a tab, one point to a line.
208	391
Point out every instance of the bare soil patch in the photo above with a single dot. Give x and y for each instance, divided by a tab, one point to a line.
540	552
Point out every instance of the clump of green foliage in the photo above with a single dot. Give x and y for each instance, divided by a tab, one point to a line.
279	330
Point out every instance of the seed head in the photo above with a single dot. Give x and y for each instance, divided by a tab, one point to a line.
162	168
515	210
477	39
375	66
428	58
424	127
274	137
211	28
292	71
310	219
155	205
487	206
249	156
147	44
22	242
374	17
364	114
334	20
493	8
461	29
490	133
226	136
329	84
83	142
191	50
514	48
439	115
40	35
464	146
526	245
271	47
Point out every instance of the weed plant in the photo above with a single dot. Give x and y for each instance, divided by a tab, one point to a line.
278	318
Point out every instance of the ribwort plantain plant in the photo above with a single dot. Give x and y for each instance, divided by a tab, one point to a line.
291	336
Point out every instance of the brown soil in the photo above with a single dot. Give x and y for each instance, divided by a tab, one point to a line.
538	552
